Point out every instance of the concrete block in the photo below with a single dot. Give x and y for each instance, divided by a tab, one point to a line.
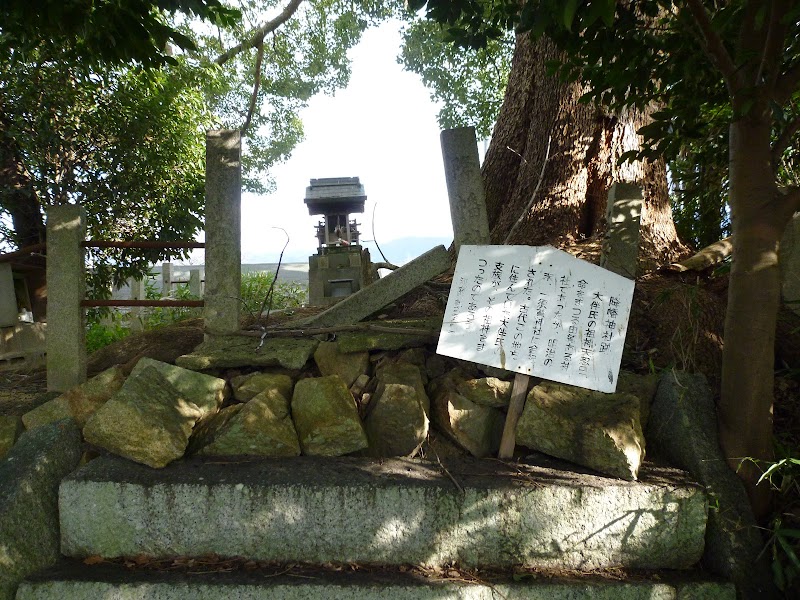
223	231
29	478
66	288
363	303
462	171
620	251
23	339
398	511
82	583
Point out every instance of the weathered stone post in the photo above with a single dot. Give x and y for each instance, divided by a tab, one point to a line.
620	251
194	283
66	288
462	170
8	299
137	293
223	231
166	280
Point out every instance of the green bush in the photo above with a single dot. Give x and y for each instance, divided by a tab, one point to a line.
256	285
254	289
783	545
99	334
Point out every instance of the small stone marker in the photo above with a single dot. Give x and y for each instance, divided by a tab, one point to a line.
620	252
538	311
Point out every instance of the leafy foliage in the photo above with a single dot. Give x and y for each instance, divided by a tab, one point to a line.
108	30
654	55
256	286
469	83
305	56
783	544
128	144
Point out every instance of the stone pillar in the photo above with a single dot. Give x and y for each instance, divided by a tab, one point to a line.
223	231
166	280
462	170
790	265
137	293
66	288
620	252
194	283
9	315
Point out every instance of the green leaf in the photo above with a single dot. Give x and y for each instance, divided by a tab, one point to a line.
609	7
570	7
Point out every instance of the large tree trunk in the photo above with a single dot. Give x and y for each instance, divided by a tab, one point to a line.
16	194
759	215
584	145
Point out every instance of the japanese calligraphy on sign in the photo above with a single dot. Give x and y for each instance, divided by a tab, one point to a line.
539	311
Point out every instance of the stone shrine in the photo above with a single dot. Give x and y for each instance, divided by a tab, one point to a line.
341	266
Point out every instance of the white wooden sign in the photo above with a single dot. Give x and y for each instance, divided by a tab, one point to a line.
539	311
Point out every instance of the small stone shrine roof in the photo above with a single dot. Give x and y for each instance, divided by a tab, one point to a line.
335	195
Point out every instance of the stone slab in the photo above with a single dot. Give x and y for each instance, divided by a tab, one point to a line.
29	478
420	333
106	581
396	511
240	351
386	290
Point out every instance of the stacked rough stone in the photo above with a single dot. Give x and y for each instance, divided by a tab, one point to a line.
366	393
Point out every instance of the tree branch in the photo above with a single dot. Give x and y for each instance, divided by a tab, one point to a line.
254	96
773	45
524	213
713	45
257	36
783	141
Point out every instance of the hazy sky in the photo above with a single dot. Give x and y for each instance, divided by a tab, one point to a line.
383	129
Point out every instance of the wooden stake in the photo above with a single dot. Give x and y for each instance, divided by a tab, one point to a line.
518	393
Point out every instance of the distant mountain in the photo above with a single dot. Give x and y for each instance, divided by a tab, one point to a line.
398	251
402	250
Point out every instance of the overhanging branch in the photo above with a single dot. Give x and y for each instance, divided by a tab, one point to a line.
257	36
713	46
254	96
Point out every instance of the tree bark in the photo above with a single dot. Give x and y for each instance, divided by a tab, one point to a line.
584	145
16	193
759	215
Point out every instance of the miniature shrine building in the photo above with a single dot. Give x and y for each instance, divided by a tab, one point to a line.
340	266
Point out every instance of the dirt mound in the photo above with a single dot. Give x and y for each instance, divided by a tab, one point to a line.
162	343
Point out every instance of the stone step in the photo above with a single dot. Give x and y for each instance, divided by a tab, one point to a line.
78	582
476	513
